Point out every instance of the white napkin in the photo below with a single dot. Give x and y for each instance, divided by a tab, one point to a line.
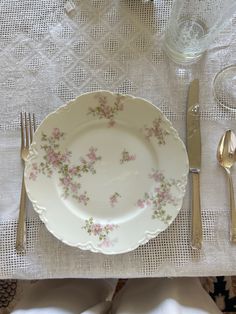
101	308
164	296
139	296
65	296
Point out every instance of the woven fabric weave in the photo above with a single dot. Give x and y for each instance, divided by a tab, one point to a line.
48	56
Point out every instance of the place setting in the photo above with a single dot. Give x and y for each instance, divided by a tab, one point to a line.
118	141
104	161
100	172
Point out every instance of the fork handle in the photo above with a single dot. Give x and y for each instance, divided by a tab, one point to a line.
21	225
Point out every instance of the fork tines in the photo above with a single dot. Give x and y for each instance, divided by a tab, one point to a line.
27	123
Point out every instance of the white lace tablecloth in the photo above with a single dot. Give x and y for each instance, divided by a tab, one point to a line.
49	56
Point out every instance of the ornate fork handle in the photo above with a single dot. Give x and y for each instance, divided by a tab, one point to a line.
21	226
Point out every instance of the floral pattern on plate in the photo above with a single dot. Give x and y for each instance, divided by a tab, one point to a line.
59	161
121	138
104	110
114	199
160	197
126	156
157	131
100	231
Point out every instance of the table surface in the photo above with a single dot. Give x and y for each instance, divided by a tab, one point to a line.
48	56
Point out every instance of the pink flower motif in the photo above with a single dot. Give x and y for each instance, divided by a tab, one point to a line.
34	166
74	187
114	199
101	231
126	156
65	157
83	198
92	154
66	181
83	160
160	197
105	110
106	243
157	176
96	229
157	131
58	161
56	158
110	227
32	176
34	172
141	203
101	98
53	158
73	170
56	133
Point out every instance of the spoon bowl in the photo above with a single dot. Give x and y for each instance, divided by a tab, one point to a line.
226	150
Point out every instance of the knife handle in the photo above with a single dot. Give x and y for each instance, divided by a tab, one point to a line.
196	242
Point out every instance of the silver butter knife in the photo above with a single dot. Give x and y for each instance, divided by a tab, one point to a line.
194	155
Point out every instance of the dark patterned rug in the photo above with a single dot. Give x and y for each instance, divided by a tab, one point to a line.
223	292
8	289
221	289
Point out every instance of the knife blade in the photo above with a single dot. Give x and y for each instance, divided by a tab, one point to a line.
194	155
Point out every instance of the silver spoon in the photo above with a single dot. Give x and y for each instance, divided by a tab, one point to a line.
226	158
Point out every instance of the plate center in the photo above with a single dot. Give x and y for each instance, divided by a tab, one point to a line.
114	165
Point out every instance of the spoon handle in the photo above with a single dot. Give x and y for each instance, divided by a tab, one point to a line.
232	208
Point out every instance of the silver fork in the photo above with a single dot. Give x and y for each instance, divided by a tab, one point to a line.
28	127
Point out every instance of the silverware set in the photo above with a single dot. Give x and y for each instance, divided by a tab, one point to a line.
226	156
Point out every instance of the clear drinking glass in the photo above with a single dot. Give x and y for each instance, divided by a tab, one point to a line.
193	25
224	87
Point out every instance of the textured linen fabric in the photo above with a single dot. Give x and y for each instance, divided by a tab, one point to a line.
48	56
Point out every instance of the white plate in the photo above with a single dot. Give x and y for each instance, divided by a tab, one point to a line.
107	172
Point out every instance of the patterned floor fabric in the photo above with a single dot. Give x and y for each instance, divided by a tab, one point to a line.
8	291
221	289
223	292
